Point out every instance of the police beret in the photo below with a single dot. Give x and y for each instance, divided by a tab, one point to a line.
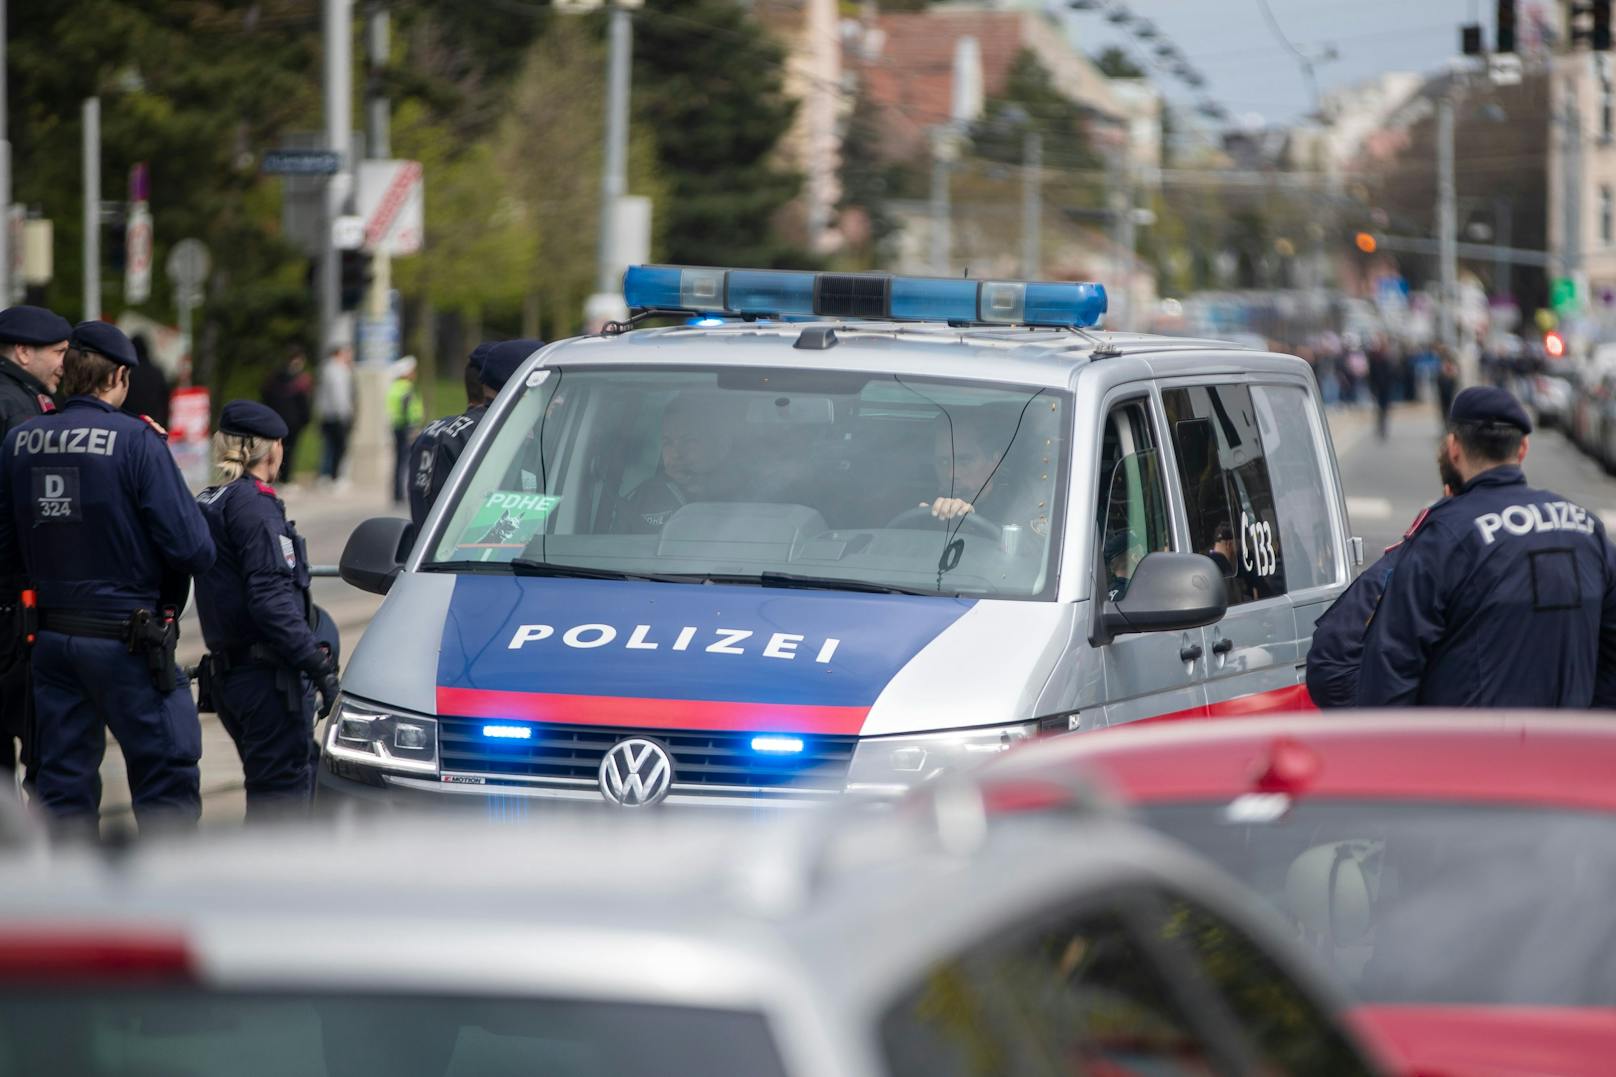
1488	404
502	359
33	325
249	418
104	339
480	352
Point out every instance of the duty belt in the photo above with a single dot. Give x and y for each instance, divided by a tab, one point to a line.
94	625
257	654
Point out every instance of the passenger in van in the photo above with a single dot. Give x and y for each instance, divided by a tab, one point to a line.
969	465
695	465
1119	564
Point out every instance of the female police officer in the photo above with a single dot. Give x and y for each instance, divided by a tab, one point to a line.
256	615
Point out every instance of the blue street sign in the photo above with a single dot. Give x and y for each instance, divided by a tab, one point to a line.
301	163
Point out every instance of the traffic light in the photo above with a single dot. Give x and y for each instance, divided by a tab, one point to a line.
1506	24
355	279
1470	39
1554	345
1365	242
1599	40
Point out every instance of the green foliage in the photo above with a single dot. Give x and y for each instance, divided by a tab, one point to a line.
709	86
1031	102
198	90
868	180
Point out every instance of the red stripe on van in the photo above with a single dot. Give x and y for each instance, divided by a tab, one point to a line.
639	712
1278	701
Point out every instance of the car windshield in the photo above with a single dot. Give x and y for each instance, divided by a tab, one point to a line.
137	1033
770	477
1430	903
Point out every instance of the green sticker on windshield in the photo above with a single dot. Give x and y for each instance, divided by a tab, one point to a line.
507	520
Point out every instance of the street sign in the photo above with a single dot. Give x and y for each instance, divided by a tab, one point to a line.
1504	69
137	245
392	201
348	232
188	263
1562	294
301	163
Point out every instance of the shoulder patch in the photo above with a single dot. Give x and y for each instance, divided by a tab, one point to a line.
157	427
265	488
46	404
1415	526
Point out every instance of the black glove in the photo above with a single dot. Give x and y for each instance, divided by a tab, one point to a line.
321	669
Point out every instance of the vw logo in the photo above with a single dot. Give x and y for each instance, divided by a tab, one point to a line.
636	773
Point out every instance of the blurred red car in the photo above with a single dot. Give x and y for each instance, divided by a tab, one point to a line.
1458	872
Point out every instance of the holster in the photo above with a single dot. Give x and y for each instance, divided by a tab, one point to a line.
288	681
157	637
204	686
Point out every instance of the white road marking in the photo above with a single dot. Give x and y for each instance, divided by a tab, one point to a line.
1369	508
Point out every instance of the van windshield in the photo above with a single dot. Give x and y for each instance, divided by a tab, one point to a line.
770	477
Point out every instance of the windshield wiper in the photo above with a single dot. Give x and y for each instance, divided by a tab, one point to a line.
825	583
524	566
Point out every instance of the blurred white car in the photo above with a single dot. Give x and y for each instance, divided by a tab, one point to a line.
900	943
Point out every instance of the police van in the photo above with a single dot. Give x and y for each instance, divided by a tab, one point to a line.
839	532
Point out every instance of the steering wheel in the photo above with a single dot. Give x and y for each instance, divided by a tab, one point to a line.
972	522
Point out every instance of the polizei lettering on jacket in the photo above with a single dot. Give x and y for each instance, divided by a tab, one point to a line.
95	441
1524	519
785	645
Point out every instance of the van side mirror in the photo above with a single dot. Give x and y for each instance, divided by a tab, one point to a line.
1168	592
375	553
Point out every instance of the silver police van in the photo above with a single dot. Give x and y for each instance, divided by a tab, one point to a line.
839	532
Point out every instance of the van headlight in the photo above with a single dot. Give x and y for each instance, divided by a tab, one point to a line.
381	737
894	764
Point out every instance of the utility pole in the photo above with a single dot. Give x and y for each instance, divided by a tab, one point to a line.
942	210
337	30
378	144
92	208
5	173
614	173
1032	202
1447	221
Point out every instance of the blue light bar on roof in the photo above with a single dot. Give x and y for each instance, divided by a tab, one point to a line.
879	296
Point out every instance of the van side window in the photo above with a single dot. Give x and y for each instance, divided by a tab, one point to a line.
1300	486
1133	499
1227	492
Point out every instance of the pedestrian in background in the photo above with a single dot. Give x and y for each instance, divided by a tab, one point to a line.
1504	596
1447	379
258	617
334	399
33	342
148	387
405	414
289	393
422	488
97	515
1383	379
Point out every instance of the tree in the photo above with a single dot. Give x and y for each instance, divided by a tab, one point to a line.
1115	63
198	90
868	180
1031	102
715	123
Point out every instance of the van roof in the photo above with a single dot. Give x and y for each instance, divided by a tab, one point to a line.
1045	357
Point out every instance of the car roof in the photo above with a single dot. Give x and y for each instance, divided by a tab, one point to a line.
1021	356
728	912
1476	756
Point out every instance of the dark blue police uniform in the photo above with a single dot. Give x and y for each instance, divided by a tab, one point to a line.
443	442
257	618
1505	596
22	397
1338	636
97	514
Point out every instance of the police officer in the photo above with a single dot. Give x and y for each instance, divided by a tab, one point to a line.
258	618
498	362
97	515
1504	596
422	489
32	343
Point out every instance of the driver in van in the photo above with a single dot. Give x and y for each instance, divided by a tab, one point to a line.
697	437
968	465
